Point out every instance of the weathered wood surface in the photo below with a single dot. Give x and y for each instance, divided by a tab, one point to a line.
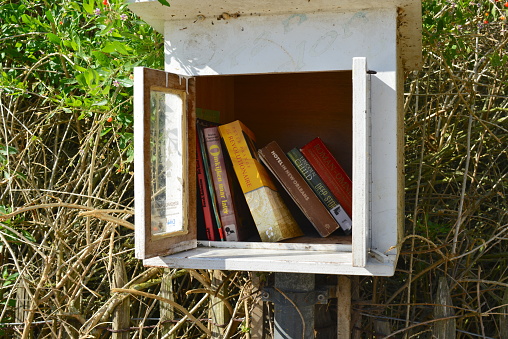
344	307
166	310
218	311
446	328
121	314
362	157
258	315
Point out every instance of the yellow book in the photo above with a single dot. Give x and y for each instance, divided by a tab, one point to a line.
273	219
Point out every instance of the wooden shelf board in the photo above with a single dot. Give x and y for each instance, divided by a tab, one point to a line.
273	260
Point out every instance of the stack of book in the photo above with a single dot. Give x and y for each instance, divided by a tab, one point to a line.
238	195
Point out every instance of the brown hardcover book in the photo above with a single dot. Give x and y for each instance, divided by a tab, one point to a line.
333	175
303	195
222	184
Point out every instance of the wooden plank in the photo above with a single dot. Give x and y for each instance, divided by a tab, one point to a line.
266	260
361	162
447	328
356	316
166	310
382	327
218	311
258	316
22	302
337	244
121	314
343	307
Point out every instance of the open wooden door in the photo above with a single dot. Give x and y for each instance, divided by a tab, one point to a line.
361	163
164	163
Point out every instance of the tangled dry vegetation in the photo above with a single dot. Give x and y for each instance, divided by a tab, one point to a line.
66	240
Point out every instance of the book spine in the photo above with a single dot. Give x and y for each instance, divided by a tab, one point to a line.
277	161
209	180
221	183
330	171
211	230
321	190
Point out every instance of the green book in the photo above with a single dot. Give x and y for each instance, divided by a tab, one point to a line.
318	186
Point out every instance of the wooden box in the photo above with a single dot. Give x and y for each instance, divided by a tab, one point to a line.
290	72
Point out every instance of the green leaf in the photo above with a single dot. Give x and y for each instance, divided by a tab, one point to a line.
100	103
27	235
26	19
495	60
125	82
106	131
164	3
88	6
54	38
79	68
90	77
74	45
115	46
6	150
49	15
101	58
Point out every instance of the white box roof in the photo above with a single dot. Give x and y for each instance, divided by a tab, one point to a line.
410	22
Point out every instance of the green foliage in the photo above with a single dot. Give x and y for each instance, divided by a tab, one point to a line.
65	139
451	28
66	145
78	56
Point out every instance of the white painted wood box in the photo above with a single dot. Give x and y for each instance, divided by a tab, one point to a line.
291	71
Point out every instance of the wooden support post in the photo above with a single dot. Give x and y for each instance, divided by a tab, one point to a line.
258	314
382	328
446	328
121	314
166	310
219	313
503	318
22	305
356	317
343	307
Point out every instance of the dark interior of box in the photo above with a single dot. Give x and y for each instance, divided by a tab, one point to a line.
291	109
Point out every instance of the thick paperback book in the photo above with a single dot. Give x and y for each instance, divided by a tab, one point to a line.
330	171
321	190
273	220
303	195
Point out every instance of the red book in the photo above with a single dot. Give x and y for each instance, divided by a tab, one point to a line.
212	233
222	184
333	175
